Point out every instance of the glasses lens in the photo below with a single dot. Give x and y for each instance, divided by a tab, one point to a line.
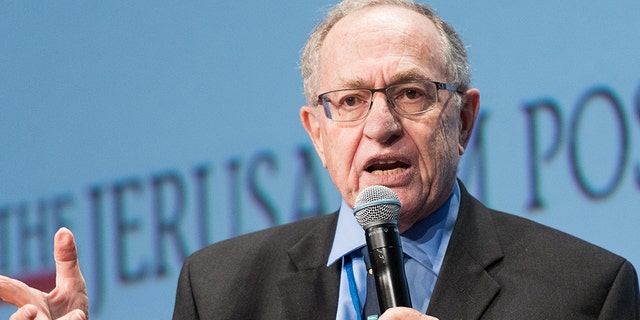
415	97
347	105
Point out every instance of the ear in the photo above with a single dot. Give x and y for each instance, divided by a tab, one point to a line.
468	116
311	123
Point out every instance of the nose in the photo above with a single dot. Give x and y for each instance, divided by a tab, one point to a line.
382	124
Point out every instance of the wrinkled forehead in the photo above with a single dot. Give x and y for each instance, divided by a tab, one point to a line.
381	41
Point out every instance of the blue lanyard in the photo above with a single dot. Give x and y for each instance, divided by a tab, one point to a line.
353	290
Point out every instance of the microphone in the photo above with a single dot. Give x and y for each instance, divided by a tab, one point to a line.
377	209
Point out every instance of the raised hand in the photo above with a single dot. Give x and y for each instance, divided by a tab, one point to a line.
68	301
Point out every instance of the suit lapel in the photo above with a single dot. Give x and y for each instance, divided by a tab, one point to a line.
311	290
465	288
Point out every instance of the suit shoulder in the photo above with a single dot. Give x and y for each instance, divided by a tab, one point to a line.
519	234
266	241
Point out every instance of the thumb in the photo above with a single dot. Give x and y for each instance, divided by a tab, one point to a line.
71	291
66	257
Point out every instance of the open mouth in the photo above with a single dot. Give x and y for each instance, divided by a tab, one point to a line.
387	167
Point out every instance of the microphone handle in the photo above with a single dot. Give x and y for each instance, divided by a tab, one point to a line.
387	263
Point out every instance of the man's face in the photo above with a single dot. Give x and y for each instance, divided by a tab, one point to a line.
416	156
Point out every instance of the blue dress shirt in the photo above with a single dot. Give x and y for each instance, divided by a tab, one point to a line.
424	246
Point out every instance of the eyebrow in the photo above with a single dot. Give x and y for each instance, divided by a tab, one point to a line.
353	83
407	76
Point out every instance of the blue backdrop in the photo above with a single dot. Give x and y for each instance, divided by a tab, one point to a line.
152	128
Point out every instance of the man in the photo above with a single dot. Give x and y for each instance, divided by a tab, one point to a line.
389	103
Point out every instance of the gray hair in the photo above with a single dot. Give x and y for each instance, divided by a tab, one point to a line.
453	55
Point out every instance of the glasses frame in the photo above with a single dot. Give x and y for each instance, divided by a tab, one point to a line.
439	86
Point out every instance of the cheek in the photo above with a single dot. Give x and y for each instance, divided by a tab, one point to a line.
340	147
446	154
437	146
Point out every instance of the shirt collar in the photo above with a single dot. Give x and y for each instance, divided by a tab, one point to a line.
424	240
421	241
349	235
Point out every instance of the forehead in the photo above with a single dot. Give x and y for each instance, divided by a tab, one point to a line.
375	45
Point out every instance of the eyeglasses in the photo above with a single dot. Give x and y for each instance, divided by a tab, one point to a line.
408	98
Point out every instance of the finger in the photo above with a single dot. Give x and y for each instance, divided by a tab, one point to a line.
28	312
17	292
66	257
74	315
405	313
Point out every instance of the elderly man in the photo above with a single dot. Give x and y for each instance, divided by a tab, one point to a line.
389	103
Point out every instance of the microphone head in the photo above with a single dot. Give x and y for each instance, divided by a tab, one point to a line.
376	205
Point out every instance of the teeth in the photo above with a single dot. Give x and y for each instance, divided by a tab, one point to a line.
387	172
387	167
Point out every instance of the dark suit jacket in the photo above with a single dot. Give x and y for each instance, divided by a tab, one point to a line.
497	266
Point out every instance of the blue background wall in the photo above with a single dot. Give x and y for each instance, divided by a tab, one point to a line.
152	128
